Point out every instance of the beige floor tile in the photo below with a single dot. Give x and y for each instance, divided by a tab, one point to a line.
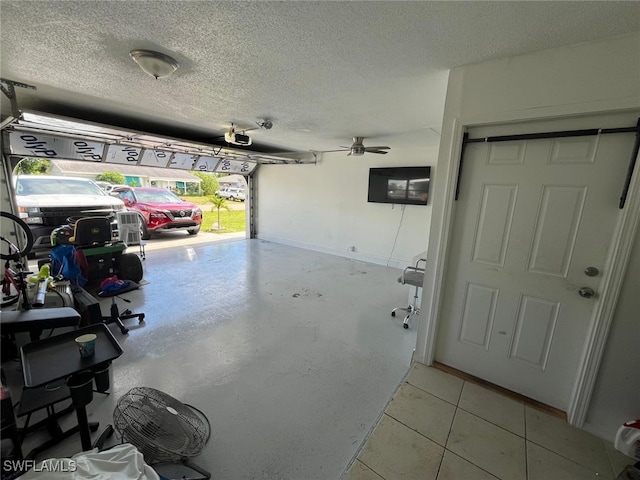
543	464
572	443
423	412
359	471
491	448
618	460
441	384
493	407
396	452
456	468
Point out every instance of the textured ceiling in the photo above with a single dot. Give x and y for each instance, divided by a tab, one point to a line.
323	72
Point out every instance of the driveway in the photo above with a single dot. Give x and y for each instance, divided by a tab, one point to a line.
163	240
182	239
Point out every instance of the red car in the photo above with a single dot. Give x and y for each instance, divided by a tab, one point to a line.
162	210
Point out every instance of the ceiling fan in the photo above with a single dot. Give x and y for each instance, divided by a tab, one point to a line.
357	148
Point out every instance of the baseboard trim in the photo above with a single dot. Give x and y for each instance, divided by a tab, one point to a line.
498	389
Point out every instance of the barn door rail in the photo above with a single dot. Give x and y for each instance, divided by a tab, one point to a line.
560	134
632	166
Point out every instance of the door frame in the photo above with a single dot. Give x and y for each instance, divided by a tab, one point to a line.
439	250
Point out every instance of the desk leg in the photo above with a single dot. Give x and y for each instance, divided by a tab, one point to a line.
83	424
34	334
54	429
50	443
81	390
93	426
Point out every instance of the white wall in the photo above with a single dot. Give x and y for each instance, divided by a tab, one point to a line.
324	207
616	397
592	77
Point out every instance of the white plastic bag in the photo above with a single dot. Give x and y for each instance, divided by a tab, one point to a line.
122	462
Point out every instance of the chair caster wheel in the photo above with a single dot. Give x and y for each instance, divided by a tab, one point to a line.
405	325
141	318
124	331
393	314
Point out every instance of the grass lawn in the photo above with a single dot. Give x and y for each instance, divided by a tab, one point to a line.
233	221
198	200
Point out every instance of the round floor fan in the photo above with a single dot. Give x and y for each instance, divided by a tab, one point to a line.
161	427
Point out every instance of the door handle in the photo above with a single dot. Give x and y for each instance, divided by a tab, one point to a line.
586	292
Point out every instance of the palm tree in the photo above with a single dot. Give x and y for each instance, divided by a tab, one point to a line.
218	203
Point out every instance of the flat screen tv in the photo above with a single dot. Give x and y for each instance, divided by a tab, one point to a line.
401	185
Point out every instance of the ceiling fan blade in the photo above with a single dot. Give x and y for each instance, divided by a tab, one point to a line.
368	150
377	148
330	151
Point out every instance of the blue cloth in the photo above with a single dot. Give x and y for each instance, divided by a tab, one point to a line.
64	261
114	286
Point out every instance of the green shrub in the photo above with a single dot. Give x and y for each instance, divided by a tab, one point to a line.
114	178
209	183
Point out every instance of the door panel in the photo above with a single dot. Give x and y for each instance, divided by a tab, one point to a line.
478	315
494	224
532	216
556	229
535	324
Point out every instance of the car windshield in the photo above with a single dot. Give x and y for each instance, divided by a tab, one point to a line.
157	196
51	186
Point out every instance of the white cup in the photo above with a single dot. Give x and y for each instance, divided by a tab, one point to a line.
86	344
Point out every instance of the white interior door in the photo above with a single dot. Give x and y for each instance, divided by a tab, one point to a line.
532	217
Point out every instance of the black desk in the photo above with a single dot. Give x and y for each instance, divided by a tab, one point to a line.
35	320
57	357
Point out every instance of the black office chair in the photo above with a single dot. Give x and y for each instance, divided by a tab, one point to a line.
116	316
93	236
414	276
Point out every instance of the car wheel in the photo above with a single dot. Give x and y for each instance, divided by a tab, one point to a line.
130	267
194	231
232	198
145	234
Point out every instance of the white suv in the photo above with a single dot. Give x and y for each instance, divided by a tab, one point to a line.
46	202
232	193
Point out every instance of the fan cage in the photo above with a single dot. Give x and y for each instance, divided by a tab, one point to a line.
161	427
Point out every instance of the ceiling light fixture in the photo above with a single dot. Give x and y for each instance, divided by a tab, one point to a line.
156	64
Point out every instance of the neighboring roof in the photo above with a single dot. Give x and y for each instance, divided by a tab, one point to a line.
96	168
232	179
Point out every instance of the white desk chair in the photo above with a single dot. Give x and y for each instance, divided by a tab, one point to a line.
414	276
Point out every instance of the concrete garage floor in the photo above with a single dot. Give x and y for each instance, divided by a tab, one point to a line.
291	354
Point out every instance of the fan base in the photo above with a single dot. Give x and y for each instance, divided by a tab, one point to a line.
180	471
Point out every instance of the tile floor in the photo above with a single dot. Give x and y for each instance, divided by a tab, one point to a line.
439	426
